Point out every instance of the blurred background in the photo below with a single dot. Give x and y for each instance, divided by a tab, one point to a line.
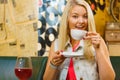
27	27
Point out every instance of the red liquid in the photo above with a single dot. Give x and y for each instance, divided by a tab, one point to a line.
24	73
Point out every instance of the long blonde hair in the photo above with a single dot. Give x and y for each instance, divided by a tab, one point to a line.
63	30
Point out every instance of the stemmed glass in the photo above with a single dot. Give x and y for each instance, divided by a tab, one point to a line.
23	68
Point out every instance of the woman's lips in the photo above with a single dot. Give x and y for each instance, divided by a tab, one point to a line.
80	27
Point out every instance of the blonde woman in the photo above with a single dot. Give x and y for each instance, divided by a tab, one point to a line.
94	64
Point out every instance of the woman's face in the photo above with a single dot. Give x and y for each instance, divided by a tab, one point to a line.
78	18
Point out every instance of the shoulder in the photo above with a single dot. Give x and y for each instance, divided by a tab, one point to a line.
55	44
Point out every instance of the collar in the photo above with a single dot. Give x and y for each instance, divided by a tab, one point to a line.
81	44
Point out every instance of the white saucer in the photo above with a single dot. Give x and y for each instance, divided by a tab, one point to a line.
72	54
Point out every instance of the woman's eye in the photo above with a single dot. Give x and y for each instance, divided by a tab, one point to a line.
85	16
75	16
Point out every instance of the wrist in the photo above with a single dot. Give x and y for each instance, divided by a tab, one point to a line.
53	66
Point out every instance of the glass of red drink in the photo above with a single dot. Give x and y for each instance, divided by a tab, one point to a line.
23	68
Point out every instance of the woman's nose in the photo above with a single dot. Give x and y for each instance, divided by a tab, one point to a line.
80	20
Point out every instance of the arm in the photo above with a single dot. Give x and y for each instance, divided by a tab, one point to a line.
50	72
105	68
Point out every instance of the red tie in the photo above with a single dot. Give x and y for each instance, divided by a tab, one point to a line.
71	73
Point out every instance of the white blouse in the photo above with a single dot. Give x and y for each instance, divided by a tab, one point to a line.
84	69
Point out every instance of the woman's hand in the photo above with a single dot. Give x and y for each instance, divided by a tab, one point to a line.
57	59
94	37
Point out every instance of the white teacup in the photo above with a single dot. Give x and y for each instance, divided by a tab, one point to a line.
77	34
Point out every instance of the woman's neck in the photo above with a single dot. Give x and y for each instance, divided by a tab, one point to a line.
74	42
